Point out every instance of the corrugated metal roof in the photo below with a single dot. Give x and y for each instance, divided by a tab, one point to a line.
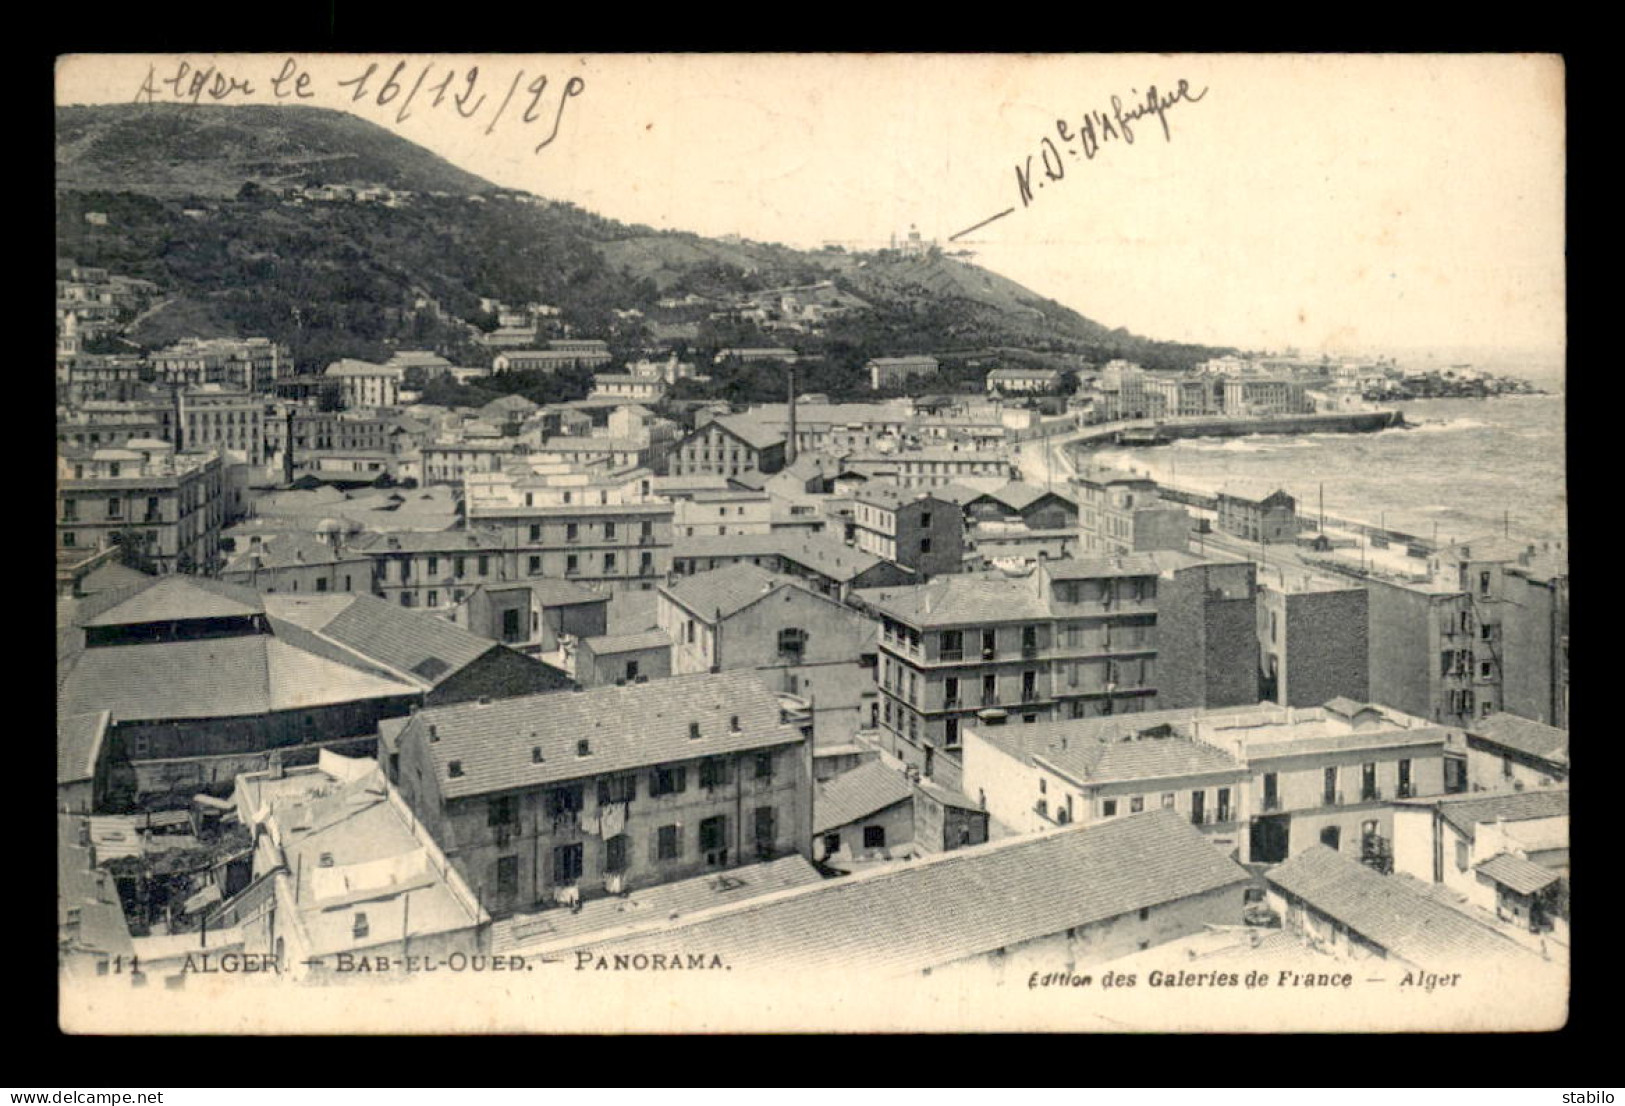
955	905
625	727
1517	873
165	598
1390	911
857	794
215	678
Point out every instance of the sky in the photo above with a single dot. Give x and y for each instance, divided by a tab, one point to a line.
1319	202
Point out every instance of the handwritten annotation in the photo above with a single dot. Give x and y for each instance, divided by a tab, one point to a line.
1086	138
467	92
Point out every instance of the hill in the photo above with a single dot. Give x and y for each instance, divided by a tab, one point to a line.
194	200
211	150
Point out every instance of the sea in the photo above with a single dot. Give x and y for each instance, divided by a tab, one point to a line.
1463	469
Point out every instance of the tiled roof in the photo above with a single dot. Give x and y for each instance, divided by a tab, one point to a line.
449	542
286	550
1390	911
1524	735
427	647
747	429
1517	874
858	793
78	744
824	555
960	600
945	795
164	598
955	905
350	366
1466	812
627	643
627	727
1095	568
1109	749
726	590
892	496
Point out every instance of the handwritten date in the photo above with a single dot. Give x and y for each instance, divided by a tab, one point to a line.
377	86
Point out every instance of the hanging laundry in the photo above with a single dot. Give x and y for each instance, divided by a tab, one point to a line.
611	820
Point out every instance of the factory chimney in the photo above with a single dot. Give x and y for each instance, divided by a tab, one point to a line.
790	440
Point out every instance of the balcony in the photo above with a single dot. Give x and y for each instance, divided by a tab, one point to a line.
951	655
1029	650
1332	798
951	703
1405	791
502	835
989	654
1271	803
1370	794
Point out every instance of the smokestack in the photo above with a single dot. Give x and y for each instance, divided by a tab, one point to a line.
790	441
287	451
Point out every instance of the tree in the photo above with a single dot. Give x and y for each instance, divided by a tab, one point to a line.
331	397
135	549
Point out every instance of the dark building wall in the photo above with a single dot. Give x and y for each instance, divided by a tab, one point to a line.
1529	653
1326	649
1207	643
500	673
946	533
1403	664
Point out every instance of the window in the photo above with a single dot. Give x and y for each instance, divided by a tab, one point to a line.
609	531
535	531
534	564
1108	808
485	564
459	566
925	524
713	839
950	732
764	766
765	825
507	881
69	539
616	853
668	781
561	801
609	562
792	644
115	508
668	842
832	844
874	837
434	596
572	565
321	584
617	789
1168	800
953	646
688	631
434	566
1136	804
925	545
713	772
1145	913
510	625
567	863
70	510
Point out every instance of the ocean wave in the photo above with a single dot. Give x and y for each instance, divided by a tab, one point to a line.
1434	426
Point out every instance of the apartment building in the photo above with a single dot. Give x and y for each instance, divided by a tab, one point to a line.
249	364
801	642
917	530
1254	395
451	460
1120	513
935	466
231	420
558	355
432	571
1487	631
170	506
728	445
1184	396
1073	639
1272	519
606	531
363	384
1509	753
895	372
92	376
1313	639
720	514
554	799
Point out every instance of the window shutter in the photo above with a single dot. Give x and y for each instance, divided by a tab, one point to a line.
654	845
679	838
682	779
